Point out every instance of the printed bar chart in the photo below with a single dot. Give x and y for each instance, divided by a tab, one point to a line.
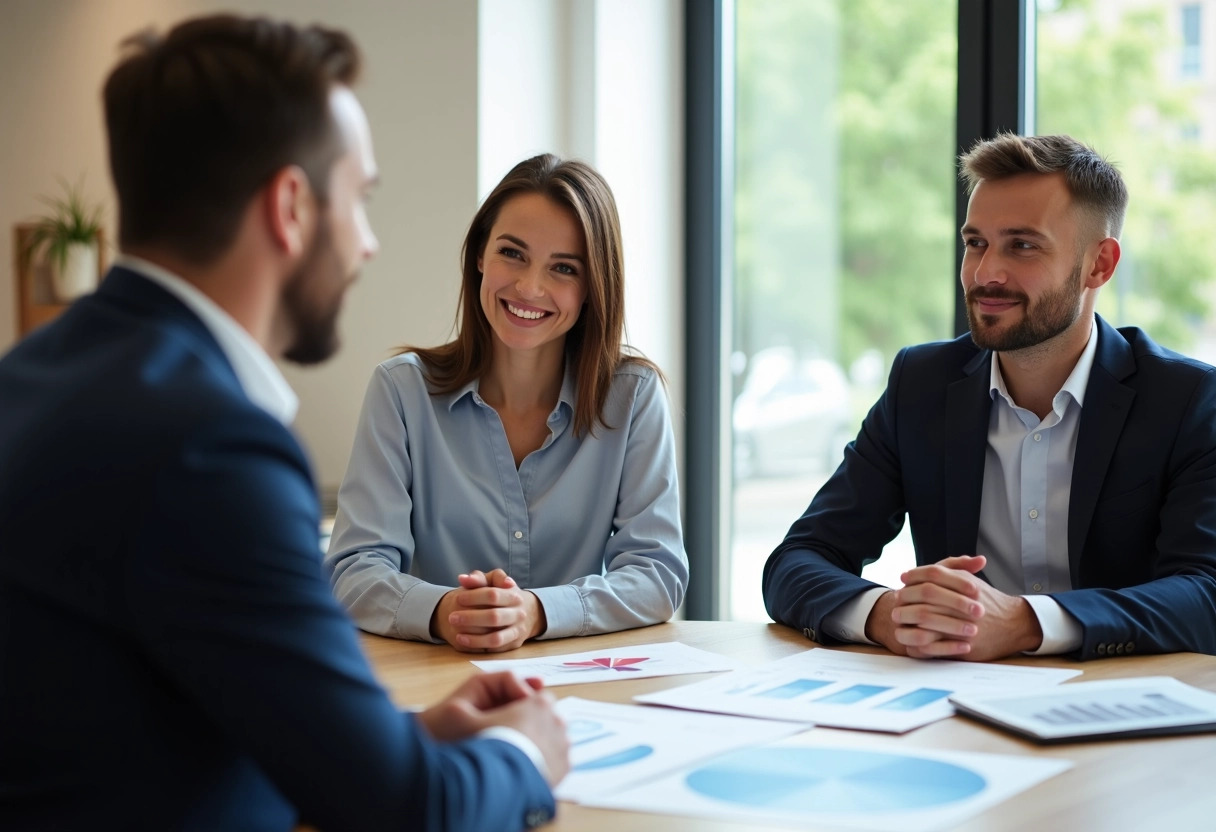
793	689
846	690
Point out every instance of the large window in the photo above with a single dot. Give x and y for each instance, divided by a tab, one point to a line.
1191	15
1108	75
837	230
844	240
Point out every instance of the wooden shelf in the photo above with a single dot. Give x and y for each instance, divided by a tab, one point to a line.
36	303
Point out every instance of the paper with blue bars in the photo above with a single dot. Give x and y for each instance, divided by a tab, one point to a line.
853	690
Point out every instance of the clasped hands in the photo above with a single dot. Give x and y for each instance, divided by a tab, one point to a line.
944	610
487	613
503	699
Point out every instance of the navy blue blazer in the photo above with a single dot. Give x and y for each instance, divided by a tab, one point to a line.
170	654
1142	507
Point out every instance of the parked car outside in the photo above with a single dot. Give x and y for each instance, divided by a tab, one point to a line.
793	416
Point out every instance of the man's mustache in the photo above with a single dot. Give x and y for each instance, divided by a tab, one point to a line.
977	292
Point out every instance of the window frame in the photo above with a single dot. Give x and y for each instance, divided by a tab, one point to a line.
996	64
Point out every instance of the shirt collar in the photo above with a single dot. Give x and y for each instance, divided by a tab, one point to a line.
1074	385
255	371
565	396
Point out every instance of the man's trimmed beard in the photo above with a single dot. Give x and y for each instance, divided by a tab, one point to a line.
313	312
1051	314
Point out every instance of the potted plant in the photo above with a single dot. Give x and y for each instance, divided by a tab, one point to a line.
67	238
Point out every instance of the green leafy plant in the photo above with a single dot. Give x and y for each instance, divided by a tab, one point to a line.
71	220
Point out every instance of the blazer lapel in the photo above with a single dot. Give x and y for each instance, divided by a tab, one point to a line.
1107	403
968	405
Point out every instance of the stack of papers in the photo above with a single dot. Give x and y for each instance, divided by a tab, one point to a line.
612	745
808	783
854	690
772	770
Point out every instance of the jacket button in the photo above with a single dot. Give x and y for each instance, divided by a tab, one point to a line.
535	818
1101	649
809	632
1131	645
1119	649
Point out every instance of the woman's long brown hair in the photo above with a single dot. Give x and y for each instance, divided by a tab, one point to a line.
594	343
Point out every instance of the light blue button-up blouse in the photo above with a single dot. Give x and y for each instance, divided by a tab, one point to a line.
591	525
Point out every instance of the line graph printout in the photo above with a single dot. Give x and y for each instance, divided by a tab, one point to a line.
612	745
668	658
807	782
853	690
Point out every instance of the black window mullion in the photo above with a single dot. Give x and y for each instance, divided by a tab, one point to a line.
993	41
709	163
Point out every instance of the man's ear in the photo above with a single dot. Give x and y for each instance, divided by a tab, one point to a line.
1105	260
291	210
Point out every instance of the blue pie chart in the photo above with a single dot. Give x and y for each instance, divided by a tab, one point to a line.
617	758
832	780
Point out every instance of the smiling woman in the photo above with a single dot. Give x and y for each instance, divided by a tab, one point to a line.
520	481
532	287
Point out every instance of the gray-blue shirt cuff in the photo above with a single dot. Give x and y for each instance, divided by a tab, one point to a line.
565	614
417	606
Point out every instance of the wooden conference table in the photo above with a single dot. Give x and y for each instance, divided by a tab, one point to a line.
1153	783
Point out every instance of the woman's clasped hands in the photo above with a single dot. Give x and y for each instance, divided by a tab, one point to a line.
487	613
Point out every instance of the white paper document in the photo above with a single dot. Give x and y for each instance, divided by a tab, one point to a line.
668	658
613	746
1145	706
853	690
805	782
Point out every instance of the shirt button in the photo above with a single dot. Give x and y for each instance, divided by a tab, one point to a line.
1034	514
1037	587
519	535
1038	437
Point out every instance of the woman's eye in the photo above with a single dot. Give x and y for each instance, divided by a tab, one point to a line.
508	251
567	269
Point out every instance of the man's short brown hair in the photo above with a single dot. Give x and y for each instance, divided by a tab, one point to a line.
199	119
1094	183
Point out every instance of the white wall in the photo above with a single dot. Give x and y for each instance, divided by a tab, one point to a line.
597	79
601	80
420	92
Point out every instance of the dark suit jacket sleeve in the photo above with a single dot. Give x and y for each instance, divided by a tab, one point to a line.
1146	581
856	513
226	594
